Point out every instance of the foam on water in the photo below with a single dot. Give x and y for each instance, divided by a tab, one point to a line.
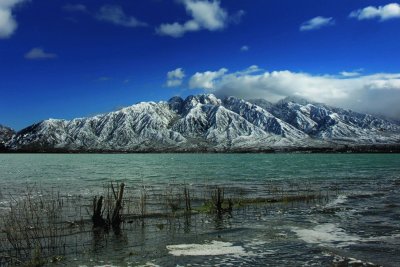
389	239
210	249
326	234
148	264
337	201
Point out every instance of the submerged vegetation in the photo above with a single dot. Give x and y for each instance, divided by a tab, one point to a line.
41	227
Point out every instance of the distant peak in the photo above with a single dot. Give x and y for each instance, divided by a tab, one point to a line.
2	127
295	99
261	102
175	99
5	131
176	103
230	98
203	99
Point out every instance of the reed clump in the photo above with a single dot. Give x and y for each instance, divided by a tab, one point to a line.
41	227
113	209
32	230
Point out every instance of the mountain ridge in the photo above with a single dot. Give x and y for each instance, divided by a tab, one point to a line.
205	123
6	134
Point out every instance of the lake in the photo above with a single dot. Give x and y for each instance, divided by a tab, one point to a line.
357	223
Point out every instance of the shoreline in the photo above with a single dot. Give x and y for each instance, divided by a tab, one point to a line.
340	149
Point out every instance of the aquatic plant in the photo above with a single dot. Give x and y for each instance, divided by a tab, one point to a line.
113	219
41	227
32	229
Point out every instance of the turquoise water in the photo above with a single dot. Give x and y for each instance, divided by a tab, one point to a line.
87	170
361	222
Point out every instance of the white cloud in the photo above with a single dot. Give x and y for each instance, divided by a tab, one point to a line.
208	15
350	73
316	23
75	8
117	16
382	13
375	93
176	29
8	24
39	53
178	73
174	83
244	48
175	77
206	80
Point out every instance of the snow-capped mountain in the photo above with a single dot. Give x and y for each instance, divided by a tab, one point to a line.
5	134
333	124
139	127
206	123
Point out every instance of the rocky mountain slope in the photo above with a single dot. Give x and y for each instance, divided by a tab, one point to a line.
5	134
206	123
333	124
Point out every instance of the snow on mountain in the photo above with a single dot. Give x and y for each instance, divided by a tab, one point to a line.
263	119
206	123
139	127
334	124
5	134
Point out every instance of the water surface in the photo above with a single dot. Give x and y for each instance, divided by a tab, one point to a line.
362	221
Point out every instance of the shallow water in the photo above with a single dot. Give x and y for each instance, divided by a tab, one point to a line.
360	224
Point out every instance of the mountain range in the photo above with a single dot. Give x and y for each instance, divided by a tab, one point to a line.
205	123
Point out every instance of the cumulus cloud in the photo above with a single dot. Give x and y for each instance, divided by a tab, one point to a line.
39	53
117	16
176	29
206	80
316	23
8	24
389	11
375	93
208	15
175	77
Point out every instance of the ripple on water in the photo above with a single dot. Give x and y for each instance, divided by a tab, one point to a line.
362	221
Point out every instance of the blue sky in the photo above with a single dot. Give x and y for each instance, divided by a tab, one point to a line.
66	59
